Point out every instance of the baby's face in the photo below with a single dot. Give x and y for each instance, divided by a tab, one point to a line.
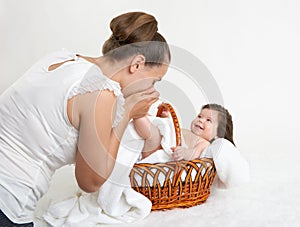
205	124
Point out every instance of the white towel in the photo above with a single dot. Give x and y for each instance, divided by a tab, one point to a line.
116	201
232	168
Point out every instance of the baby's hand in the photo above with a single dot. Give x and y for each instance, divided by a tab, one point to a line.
180	153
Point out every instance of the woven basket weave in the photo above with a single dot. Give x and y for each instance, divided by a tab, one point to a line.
174	184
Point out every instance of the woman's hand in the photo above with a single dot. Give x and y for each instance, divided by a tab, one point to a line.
137	105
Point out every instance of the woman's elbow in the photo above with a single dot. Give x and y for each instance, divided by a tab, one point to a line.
90	185
89	188
88	180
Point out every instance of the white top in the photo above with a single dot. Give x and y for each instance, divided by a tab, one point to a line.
36	137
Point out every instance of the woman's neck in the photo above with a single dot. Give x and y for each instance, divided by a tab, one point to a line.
107	67
114	70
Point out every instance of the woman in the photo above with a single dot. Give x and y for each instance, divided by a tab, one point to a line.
70	108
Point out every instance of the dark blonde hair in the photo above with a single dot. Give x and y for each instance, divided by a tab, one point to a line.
136	33
225	125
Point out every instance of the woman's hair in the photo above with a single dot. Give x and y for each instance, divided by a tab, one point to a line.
225	125
136	33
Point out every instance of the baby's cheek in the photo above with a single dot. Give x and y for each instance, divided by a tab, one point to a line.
214	130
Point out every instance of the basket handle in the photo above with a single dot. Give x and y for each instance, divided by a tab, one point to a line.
177	128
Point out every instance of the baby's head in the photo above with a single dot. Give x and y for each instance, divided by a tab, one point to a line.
214	121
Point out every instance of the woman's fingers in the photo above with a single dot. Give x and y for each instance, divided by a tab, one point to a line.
149	91
139	104
148	96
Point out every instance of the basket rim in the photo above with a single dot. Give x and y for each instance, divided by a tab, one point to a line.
176	123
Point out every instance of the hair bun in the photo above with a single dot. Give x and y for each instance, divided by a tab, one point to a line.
133	27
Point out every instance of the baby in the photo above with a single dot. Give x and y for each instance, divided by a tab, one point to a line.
210	136
213	122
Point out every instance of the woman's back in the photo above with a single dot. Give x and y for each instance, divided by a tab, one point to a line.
36	135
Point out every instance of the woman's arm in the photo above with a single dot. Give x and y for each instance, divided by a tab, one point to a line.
98	142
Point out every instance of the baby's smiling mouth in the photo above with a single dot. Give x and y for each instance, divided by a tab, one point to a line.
198	126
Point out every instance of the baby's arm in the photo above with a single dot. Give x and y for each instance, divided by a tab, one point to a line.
190	153
149	133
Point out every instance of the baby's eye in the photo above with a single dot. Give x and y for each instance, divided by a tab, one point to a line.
209	120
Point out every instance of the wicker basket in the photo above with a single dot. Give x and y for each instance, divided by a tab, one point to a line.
174	184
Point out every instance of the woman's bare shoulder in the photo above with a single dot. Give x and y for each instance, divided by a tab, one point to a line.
87	104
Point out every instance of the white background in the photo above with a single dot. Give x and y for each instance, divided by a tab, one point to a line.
252	49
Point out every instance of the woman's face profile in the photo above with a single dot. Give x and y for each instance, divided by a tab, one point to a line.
145	79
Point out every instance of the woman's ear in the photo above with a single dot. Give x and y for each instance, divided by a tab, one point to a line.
137	63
